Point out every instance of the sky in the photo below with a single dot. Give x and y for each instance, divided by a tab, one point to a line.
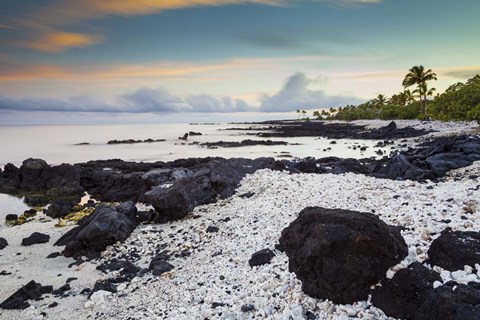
123	61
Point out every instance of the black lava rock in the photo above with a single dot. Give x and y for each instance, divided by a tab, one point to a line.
158	267
105	226
54	255
261	257
60	208
455	249
11	217
451	301
30	291
35	238
212	229
338	254
248	307
404	294
3	243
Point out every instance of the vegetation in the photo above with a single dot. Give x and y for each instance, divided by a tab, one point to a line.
461	101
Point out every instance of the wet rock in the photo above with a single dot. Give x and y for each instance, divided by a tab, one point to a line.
60	208
451	301
30	291
35	238
105	226
338	254
261	257
184	137
455	249
403	295
3	243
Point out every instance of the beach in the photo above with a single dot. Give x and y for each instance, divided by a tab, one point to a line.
210	247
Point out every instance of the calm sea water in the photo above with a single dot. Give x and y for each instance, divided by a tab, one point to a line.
56	145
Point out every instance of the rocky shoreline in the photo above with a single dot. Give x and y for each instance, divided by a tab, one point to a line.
208	221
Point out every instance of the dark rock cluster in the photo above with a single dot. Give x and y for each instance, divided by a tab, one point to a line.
336	130
340	254
243	143
132	141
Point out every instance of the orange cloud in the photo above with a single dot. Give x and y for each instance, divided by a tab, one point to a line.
57	41
159	70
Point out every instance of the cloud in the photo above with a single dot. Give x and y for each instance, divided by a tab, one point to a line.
297	95
57	41
143	100
294	95
10	71
462	73
42	24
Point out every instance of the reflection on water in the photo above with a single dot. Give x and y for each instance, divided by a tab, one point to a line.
11	205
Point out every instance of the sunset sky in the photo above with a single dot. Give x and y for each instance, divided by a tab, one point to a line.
71	61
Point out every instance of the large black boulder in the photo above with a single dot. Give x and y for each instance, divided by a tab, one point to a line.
404	294
455	249
451	301
105	226
35	238
30	291
175	202
338	254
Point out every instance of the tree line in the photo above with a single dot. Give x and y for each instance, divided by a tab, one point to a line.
461	101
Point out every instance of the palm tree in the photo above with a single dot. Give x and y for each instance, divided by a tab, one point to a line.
380	100
298	113
304	113
418	76
409	96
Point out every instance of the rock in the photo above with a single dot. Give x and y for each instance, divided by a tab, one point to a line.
54	255
159	267
34	201
30	291
248	308
104	286
60	208
185	137
35	238
399	167
212	229
53	304
451	301
175	202
455	249
243	143
404	294
3	243
11	217
261	257
338	254
192	133
105	226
